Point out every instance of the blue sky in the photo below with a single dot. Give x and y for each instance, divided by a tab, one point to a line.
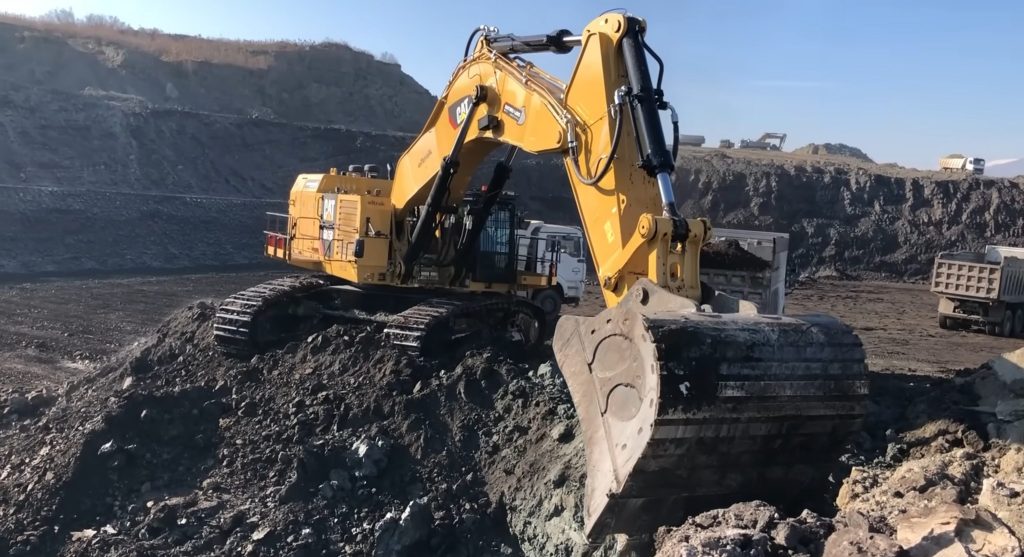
906	81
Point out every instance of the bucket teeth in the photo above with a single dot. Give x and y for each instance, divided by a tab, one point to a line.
684	411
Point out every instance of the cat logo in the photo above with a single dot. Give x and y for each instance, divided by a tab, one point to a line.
459	111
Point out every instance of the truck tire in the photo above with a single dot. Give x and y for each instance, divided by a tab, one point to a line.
1018	322
1006	329
991	329
945	322
549	301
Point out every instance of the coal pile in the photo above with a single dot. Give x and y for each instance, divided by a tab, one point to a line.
729	254
333	446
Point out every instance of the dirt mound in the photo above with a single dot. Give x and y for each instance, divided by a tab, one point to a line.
947	480
833	150
335	444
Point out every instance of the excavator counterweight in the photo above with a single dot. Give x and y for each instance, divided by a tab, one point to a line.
686	397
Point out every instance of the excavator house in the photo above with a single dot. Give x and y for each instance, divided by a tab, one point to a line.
686	398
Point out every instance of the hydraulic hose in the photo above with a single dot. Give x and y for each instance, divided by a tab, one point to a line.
616	135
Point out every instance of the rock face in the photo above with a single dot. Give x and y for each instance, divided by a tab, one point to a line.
954	530
91	184
133	151
120	145
852	220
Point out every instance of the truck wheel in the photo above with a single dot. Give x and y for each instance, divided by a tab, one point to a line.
1018	322
991	329
550	302
945	322
1006	329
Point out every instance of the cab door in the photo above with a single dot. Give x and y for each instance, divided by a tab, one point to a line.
328	214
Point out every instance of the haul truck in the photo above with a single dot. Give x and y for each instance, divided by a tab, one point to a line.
960	163
981	288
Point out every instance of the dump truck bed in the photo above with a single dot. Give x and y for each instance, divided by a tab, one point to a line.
979	276
766	288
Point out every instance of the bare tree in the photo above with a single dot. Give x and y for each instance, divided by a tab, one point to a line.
59	15
387	58
99	20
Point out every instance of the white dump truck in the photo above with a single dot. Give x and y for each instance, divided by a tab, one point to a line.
960	163
985	289
540	244
766	286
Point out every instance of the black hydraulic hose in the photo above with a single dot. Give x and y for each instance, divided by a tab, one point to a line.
616	135
469	43
661	65
675	138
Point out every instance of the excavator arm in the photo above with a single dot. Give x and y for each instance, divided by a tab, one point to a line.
606	125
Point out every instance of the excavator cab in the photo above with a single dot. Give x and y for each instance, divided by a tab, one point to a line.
494	259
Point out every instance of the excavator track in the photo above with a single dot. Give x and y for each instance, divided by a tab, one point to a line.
291	308
682	411
437	323
266	314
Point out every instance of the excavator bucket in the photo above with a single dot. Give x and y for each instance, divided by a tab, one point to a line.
683	410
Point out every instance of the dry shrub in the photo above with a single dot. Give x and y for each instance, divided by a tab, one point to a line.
169	47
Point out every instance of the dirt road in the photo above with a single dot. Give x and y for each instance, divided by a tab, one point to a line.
51	330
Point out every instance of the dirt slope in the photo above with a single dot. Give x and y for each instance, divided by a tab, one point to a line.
323	83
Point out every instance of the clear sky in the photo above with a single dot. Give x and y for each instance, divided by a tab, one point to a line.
906	81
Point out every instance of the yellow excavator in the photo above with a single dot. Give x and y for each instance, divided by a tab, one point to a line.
686	398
